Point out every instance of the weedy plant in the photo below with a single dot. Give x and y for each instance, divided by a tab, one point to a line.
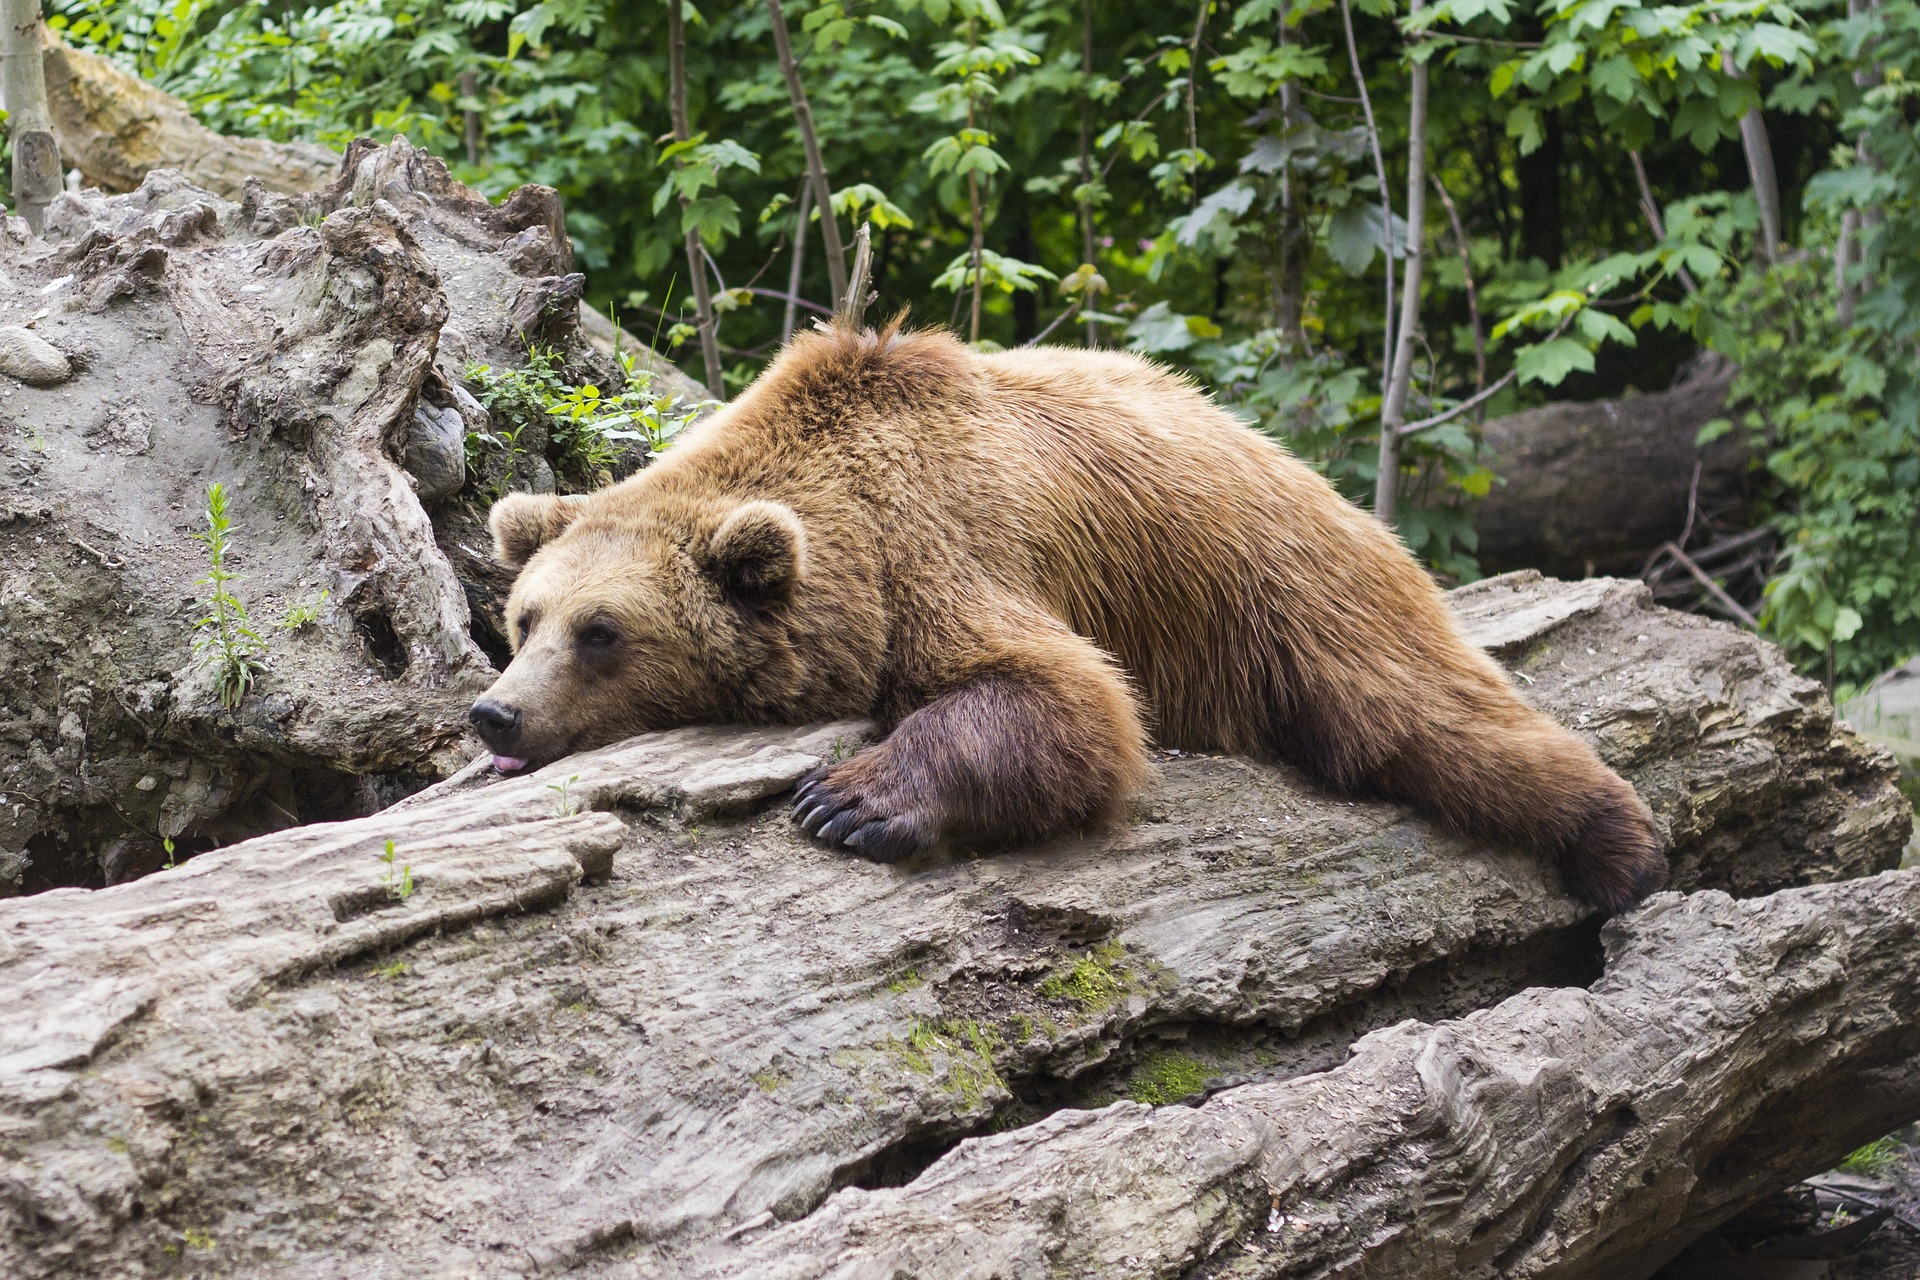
227	642
591	432
397	880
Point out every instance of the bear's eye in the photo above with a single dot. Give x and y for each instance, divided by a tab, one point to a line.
526	626
598	635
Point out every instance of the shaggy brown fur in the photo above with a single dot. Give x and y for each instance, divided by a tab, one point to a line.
1017	562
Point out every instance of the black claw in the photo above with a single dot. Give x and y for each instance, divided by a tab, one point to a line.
808	785
817	816
885	840
837	829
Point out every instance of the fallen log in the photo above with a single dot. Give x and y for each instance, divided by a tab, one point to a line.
1595	487
619	1018
115	128
1565	1132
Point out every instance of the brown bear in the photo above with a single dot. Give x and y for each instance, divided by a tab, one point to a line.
1023	565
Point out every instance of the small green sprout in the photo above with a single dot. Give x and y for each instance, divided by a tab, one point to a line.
398	881
566	806
304	614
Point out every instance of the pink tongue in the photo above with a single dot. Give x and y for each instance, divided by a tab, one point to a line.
509	764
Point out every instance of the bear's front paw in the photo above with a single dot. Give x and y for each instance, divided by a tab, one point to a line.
845	810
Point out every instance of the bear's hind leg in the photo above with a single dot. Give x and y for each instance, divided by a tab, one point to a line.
1031	734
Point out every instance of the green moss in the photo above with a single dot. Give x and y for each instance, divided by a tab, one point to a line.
769	1079
905	982
961	1051
391	969
202	1241
1093	981
1167	1077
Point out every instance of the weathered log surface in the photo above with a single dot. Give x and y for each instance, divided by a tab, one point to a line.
1728	1048
1596	487
307	351
628	1021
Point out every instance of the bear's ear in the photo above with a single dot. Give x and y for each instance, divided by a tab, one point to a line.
524	522
758	553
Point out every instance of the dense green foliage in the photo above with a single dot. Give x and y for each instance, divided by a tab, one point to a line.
1201	182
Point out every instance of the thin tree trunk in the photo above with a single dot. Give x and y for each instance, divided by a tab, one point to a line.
1380	175
974	209
1393	413
1086	150
816	167
696	256
804	204
1193	106
1650	209
36	157
1760	172
1473	292
470	90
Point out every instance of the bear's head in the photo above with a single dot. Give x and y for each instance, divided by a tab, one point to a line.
627	618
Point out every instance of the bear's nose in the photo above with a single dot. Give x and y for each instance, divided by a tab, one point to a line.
497	724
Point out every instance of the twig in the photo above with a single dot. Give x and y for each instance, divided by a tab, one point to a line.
1838	1194
1473	293
1693	505
708	324
853	307
106	561
1193	111
792	300
1651	211
1475	401
1712	588
1058	320
1399	383
1498	44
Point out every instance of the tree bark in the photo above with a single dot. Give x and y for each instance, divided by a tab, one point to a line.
1086	154
36	158
816	167
629	1021
1393	410
1730	1048
1760	172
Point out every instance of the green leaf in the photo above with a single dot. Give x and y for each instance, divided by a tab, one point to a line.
1550	362
1846	625
1353	235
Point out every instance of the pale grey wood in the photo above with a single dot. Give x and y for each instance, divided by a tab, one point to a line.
637	1038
